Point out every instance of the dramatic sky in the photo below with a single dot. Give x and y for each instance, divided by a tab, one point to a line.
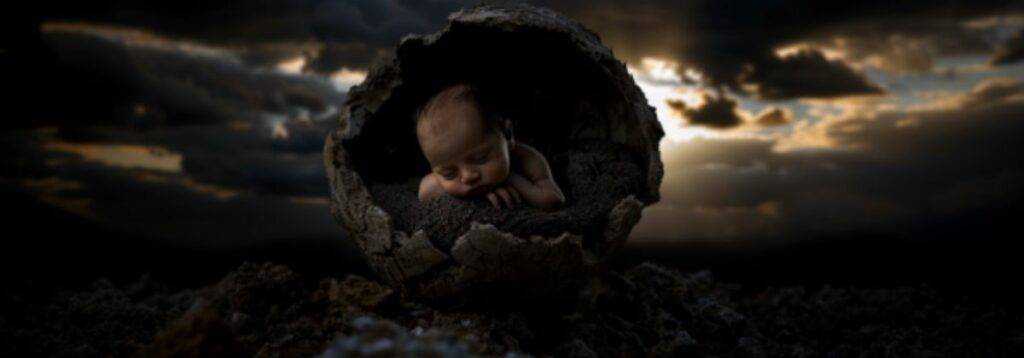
202	122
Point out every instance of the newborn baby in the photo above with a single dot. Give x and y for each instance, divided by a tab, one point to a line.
472	153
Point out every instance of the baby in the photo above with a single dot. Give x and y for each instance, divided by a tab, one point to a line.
472	153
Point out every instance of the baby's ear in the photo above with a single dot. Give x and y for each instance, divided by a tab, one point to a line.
507	129
511	134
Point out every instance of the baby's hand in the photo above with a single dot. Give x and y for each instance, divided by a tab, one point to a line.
504	195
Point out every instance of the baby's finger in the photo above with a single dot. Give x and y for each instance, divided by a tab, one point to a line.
493	199
505	197
515	195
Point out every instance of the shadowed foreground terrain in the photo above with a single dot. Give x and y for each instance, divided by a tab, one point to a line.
76	289
266	309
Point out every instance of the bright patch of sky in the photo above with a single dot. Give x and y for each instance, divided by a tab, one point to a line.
659	80
127	156
342	79
660	83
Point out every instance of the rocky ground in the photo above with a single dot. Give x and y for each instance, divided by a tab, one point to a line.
648	309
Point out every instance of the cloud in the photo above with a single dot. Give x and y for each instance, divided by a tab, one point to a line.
774	116
192	157
185	208
202	103
807	73
336	55
174	212
992	91
122	156
346	32
988	92
724	43
1011	51
896	172
357	33
727	42
716	111
911	45
189	82
891	53
676	105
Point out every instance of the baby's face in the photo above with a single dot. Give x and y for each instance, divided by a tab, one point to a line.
468	157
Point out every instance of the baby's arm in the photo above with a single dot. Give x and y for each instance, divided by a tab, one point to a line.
536	185
430	187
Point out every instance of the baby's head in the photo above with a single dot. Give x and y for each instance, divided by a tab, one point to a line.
465	140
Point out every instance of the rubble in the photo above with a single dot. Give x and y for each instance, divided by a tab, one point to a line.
646	310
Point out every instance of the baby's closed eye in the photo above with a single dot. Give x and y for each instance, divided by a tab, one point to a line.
447	174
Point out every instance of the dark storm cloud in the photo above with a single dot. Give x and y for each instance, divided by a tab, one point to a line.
335	55
717	111
1010	51
347	32
676	105
274	53
911	42
252	160
774	116
891	172
807	73
188	82
235	126
356	33
731	43
249	139
164	206
992	91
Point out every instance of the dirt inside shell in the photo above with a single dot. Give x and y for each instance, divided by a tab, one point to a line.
594	175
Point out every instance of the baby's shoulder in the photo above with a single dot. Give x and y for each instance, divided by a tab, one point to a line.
531	162
526	152
525	149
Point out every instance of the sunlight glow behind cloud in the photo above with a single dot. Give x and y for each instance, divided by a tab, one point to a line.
660	83
127	156
293	66
342	79
345	78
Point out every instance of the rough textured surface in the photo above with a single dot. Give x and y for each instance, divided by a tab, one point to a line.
594	176
104	320
268	310
576	103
